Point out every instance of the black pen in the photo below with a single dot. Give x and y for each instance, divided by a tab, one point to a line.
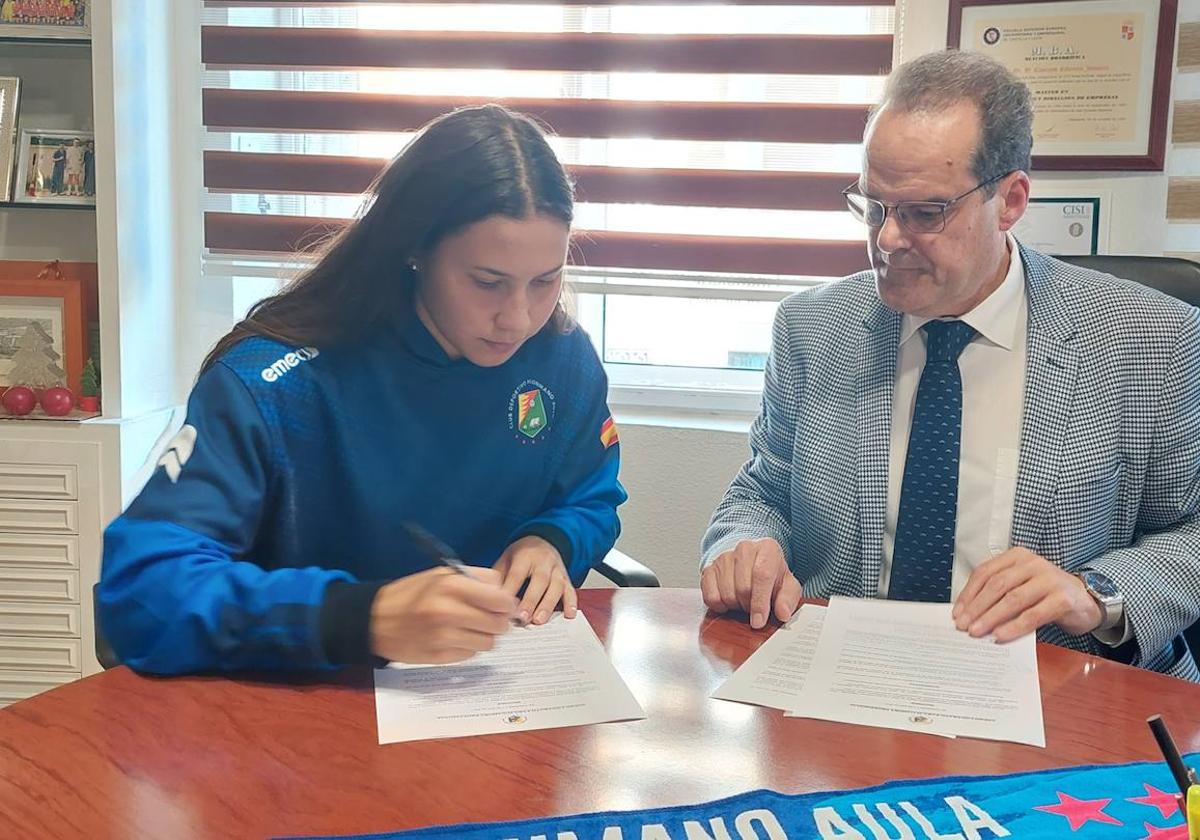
436	550
1183	776
443	555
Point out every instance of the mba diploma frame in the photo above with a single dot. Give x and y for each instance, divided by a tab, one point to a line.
1099	72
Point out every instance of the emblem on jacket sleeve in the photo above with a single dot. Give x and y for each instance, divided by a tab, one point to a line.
178	451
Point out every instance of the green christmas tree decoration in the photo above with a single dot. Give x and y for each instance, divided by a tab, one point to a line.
89	380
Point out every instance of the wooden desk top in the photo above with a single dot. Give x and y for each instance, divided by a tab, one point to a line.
120	755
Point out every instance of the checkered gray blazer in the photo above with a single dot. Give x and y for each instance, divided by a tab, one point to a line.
1109	475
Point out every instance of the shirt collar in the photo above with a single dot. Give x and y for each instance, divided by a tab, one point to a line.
996	316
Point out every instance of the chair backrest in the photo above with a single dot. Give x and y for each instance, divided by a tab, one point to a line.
1176	276
104	652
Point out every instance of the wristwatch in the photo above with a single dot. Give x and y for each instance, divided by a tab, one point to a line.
1107	595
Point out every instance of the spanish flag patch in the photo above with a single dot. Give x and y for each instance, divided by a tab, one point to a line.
608	433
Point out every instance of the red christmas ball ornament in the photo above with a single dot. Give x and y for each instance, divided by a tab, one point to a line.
57	401
18	400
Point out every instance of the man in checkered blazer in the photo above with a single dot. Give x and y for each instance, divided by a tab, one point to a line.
1049	481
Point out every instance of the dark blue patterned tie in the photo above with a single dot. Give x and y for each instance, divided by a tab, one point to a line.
923	556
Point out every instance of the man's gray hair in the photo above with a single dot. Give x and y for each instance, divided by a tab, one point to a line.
939	80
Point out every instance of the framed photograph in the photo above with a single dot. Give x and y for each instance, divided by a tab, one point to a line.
56	167
10	96
1099	72
42	330
46	19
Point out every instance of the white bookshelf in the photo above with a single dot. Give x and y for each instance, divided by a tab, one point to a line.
136	84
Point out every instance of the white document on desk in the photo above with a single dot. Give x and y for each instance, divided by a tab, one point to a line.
775	673
903	665
537	677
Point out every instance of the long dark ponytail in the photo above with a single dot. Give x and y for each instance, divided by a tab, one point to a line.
460	168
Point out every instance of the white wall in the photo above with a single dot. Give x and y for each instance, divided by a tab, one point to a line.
134	63
205	304
675	477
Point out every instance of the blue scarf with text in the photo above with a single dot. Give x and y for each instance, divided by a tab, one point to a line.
1089	803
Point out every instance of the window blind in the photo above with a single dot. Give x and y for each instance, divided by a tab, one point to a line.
702	138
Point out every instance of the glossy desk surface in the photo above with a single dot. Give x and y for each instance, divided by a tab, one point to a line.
120	755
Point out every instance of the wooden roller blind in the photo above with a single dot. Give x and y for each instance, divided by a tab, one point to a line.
782	103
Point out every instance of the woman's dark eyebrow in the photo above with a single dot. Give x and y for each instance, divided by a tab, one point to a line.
501	275
491	271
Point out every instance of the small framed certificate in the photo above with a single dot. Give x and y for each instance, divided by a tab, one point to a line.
1099	72
1061	226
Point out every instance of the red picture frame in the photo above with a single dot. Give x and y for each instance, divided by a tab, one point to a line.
70	284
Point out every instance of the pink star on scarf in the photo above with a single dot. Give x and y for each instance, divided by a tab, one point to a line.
1171	832
1166	803
1080	811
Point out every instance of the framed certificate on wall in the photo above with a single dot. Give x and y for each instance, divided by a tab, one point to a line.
1061	226
1099	72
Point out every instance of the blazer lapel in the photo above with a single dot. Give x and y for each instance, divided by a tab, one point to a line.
1050	374
875	381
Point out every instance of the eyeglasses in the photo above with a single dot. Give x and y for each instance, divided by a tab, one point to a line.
916	216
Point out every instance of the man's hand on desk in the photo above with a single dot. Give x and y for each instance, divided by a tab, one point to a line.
440	616
1017	592
754	577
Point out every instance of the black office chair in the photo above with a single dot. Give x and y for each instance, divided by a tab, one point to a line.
104	652
1177	277
617	566
623	570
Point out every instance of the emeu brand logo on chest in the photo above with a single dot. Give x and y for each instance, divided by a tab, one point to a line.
530	410
288	361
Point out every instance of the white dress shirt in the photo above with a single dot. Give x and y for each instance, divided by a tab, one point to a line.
993	378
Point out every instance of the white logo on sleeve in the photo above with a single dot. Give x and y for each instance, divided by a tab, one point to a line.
289	360
178	451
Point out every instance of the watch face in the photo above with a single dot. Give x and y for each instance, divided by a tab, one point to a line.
1100	584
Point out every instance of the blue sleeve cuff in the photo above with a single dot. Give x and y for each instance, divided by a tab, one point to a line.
346	622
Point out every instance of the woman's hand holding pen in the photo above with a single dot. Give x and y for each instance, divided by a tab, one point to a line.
440	616
535	564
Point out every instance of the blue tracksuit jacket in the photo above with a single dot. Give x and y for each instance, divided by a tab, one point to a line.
275	515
